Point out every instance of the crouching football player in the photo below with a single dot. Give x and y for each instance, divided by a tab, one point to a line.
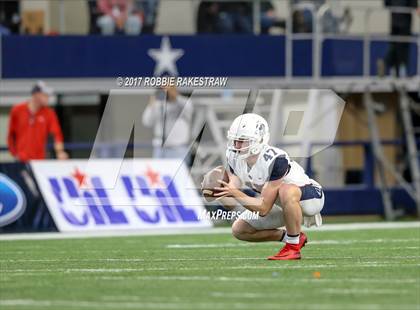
287	194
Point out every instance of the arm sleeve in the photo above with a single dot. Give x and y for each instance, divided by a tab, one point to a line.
187	108
149	115
54	128
11	135
279	168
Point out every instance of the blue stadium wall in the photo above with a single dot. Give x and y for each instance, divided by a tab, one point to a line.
204	55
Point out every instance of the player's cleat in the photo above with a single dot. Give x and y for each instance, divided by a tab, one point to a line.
302	240
288	252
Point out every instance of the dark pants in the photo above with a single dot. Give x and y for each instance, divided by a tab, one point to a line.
398	52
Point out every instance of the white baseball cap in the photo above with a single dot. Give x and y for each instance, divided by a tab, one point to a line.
41	87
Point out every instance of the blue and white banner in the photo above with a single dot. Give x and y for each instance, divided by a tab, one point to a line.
147	193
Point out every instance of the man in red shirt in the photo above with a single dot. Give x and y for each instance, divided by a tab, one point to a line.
30	124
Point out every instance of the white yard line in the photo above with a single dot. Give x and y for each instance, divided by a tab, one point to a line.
31	303
275	277
114	233
130	260
210	245
194	231
373	264
327	291
249	244
362	226
165	260
365	291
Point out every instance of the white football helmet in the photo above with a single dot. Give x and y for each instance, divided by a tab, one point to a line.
248	127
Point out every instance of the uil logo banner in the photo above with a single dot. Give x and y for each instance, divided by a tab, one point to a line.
146	194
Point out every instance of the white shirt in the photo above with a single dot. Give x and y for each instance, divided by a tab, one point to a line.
176	120
257	175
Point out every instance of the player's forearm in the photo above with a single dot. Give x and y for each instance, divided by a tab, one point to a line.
228	202
251	203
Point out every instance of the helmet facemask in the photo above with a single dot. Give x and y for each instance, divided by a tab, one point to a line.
252	146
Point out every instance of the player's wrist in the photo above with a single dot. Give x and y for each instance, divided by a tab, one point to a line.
236	192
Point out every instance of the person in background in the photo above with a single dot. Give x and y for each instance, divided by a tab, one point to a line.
235	17
170	115
397	57
31	122
9	17
208	17
336	19
269	18
149	9
224	17
303	12
118	17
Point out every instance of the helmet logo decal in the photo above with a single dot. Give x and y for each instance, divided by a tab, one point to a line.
260	129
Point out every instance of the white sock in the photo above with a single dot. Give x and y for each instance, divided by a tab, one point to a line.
292	239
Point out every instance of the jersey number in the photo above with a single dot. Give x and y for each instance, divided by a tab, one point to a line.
267	156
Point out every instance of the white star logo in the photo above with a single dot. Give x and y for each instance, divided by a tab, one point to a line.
165	58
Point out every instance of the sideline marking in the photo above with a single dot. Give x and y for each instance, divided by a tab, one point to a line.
192	305
193	231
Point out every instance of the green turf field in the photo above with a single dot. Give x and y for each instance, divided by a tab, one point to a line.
366	269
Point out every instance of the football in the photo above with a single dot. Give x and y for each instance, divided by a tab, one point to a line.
210	181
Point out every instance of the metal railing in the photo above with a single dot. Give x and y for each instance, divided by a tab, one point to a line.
319	37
